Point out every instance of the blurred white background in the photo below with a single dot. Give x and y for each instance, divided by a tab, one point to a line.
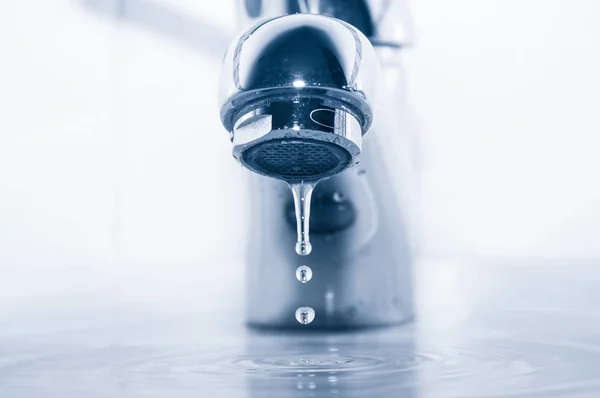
111	150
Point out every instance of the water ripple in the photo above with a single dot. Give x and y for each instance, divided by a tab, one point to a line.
474	368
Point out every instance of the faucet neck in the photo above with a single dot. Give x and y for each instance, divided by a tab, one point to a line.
386	23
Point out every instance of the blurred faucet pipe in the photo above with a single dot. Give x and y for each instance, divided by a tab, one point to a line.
161	19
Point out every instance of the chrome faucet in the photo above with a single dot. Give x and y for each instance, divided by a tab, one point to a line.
327	97
300	88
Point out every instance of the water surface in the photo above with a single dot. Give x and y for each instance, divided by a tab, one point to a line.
482	331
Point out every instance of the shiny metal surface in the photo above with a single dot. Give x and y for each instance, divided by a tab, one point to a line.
384	22
297	123
299	56
294	79
361	258
275	75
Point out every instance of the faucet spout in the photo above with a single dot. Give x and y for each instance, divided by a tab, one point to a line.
298	96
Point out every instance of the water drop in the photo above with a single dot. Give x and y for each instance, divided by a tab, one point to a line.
303	249
305	315
302	193
304	273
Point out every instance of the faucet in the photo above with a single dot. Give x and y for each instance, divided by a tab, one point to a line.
309	92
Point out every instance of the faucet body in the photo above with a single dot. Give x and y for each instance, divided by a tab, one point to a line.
361	259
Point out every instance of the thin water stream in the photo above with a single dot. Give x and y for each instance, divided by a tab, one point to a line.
302	193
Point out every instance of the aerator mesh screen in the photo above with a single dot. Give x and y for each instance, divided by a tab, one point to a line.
293	159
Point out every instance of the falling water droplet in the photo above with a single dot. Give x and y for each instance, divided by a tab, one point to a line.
304	273
305	315
303	248
302	193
